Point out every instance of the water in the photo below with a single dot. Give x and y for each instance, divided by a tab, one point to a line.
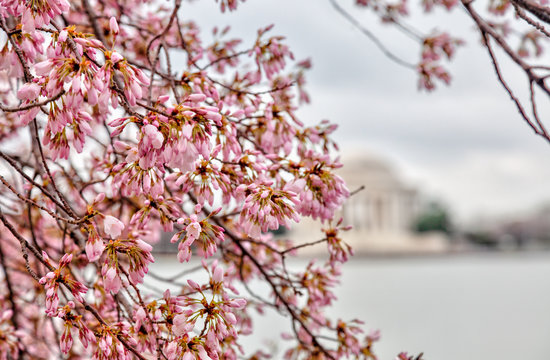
461	307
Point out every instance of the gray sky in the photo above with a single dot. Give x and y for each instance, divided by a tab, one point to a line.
464	144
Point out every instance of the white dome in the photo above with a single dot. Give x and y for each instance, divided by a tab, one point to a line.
369	170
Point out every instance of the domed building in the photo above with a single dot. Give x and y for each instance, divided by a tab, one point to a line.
384	204
381	213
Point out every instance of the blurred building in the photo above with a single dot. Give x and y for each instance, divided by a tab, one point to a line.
384	205
382	213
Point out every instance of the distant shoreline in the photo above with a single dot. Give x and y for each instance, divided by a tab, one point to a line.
475	253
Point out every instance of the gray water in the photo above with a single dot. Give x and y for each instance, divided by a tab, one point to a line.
461	307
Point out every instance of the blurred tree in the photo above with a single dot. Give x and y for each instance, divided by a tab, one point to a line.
434	217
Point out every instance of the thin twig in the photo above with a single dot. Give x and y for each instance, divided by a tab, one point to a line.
359	189
303	245
506	87
371	36
534	109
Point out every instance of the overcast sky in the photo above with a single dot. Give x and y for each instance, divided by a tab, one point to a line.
464	144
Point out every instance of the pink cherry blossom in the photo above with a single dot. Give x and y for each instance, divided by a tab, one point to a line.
113	226
194	228
112	144
181	326
112	280
94	249
29	91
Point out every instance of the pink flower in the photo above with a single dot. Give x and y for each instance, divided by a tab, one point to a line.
43	68
28	21
94	249
188	356
153	136
181	326
112	280
29	91
28	115
202	353
267	209
113	226
193	229
374	335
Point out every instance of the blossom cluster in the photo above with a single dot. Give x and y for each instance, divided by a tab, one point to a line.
142	131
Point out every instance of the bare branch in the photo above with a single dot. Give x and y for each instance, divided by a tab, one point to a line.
372	37
32	105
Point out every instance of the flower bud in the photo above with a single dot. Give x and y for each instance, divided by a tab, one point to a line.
114	25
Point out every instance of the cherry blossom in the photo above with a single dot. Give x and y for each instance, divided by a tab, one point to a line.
123	125
112	226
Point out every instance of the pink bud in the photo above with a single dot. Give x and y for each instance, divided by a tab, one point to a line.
164	98
6	315
66	259
99	198
218	274
114	25
193	285
112	281
249	110
214	116
158	140
196	97
237	303
143	245
63	36
116	57
230	318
